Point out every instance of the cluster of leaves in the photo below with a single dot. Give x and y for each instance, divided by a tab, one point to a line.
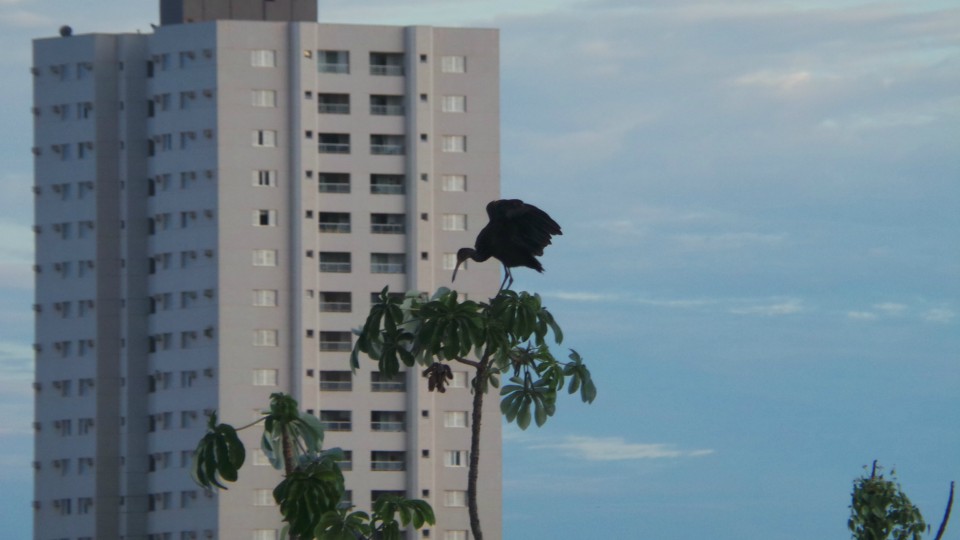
880	510
219	455
508	336
383	524
313	484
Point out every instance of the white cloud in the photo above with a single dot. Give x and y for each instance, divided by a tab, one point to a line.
616	449
780	81
786	307
939	315
890	308
581	296
861	315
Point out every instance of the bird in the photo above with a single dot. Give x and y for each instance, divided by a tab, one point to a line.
515	236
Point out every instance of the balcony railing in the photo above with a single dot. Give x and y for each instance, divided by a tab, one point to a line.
388	268
339	187
388	426
337	426
333	68
334	108
336	346
387	228
333	148
387	110
387	149
388	386
387	465
335	227
383	69
387	189
336	386
335	307
335	267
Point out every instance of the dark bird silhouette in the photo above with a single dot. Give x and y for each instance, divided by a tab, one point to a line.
515	236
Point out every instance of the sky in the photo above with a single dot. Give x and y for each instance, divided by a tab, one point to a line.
760	262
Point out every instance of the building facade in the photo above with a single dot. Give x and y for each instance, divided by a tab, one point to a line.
216	204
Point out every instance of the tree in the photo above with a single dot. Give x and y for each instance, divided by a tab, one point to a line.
309	495
505	337
880	510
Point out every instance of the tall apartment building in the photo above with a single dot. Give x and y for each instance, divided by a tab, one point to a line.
216	203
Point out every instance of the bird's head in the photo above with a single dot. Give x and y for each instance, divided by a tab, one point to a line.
462	255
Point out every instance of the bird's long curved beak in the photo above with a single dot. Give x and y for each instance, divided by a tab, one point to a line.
455	268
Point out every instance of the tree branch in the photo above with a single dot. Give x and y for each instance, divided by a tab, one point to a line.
471	363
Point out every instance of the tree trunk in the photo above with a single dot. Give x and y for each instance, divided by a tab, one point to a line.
475	450
286	443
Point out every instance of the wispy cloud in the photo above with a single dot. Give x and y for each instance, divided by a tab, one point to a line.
616	449
786	307
939	315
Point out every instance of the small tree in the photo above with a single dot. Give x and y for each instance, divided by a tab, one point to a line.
310	493
880	510
507	336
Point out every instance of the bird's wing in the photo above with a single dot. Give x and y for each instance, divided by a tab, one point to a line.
526	224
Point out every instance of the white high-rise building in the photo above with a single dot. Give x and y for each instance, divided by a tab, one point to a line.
216	203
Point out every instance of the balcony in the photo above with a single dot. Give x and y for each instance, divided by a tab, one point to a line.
387	184
333	143
335	302
333	61
336	341
384	421
334	183
379	383
333	103
334	222
388	223
387	461
382	105
335	261
390	64
387	145
336	381
336	420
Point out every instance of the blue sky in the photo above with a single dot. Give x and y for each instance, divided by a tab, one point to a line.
761	258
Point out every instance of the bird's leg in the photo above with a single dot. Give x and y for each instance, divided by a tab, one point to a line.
509	277
505	276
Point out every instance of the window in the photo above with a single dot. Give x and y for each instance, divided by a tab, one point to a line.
453	64
265	297
263	58
459	380
334	182
334	261
265	338
263	497
334	222
450	262
260	459
455	419
336	381
394	145
381	383
387	461
265	218
333	143
264	178
455	458
264	98
454	222
386	105
336	420
346	463
454	104
335	302
264	534
387	263
264	377
264	257
455	143
333	61
455	498
381	184
454	182
388	420
386	63
333	103
335	341
388	223
265	138
455	535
